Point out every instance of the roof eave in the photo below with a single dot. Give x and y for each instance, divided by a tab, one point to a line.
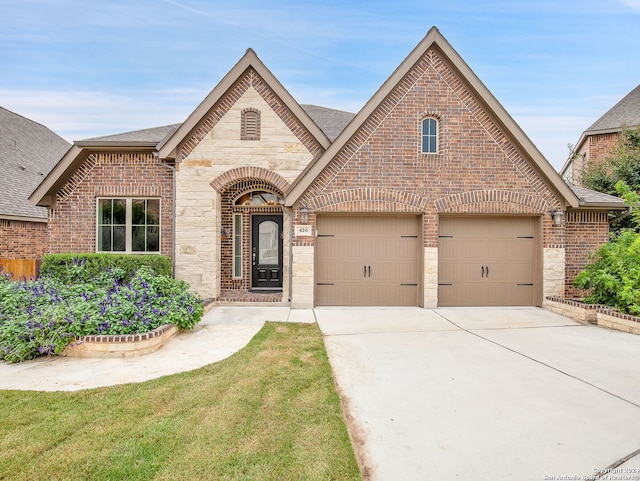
24	218
116	145
44	194
601	205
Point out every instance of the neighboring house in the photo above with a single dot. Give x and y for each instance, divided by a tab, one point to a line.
430	196
596	142
28	151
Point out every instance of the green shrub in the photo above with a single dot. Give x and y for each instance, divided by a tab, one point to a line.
44	316
614	274
70	268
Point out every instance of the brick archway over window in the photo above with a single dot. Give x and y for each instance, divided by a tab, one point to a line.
234	175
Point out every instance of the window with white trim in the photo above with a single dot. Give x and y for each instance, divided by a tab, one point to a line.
128	225
237	246
429	135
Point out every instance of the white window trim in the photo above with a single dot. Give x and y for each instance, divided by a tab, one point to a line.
128	225
437	134
235	235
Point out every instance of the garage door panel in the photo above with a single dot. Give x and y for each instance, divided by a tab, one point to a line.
368	260
487	261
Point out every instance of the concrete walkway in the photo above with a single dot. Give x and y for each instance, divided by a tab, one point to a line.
222	331
485	394
452	393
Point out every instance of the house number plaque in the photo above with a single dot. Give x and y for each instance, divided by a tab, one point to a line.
303	230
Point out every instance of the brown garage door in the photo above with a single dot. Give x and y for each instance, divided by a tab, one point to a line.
488	261
368	260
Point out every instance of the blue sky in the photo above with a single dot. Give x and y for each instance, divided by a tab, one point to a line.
92	67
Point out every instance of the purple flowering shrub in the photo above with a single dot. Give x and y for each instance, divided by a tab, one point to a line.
44	316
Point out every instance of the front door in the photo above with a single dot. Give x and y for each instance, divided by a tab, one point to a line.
266	252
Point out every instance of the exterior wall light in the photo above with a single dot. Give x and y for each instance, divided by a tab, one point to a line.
557	217
304	215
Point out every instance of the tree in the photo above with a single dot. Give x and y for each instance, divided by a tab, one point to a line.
613	274
622	164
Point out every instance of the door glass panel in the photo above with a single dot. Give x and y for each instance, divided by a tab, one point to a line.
268	243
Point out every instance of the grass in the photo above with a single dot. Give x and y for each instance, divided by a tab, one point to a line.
269	412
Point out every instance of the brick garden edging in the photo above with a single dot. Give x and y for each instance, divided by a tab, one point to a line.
120	345
604	316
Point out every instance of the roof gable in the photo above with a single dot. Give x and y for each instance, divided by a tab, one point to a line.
198	124
393	88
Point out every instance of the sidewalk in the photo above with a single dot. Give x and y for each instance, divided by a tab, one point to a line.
223	331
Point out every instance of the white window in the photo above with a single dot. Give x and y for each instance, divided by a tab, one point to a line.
237	246
429	136
128	225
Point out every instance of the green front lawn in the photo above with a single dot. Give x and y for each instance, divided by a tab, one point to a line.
269	412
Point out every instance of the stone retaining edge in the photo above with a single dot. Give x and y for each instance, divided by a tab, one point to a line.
604	316
120	345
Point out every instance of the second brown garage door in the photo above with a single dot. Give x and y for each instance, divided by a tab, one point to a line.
488	261
368	260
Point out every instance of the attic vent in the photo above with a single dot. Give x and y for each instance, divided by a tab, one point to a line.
250	124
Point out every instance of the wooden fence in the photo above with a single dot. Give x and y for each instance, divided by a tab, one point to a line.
20	268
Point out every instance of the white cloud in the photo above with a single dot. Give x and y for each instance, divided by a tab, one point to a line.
75	115
634	4
551	134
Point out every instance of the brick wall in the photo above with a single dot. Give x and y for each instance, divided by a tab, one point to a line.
72	224
478	168
596	148
586	231
22	240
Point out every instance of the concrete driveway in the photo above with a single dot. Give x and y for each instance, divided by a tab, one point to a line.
485	394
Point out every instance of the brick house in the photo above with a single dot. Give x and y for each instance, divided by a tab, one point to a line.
431	195
28	151
596	142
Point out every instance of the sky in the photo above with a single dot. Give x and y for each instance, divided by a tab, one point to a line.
87	68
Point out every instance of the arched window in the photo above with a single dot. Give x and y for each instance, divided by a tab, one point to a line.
250	124
429	135
259	198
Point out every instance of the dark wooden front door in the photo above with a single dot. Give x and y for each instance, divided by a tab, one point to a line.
266	252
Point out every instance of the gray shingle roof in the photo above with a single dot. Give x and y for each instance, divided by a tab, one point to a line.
625	113
153	135
594	198
28	151
332	122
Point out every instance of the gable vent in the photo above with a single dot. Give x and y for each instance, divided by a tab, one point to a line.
250	124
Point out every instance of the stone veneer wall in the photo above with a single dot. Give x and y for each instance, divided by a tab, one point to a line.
553	271
216	158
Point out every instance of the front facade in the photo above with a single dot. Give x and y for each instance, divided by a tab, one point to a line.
430	196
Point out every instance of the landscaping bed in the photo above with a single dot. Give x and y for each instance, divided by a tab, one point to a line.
42	317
